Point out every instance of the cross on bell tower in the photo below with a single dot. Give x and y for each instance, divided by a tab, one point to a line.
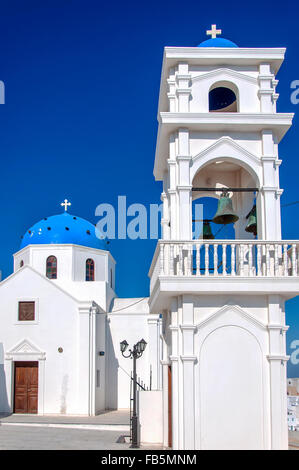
213	31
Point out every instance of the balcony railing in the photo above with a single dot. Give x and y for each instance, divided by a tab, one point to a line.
243	258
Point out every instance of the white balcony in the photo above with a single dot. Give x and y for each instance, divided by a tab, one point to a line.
209	266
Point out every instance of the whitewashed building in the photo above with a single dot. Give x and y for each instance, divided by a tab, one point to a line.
223	301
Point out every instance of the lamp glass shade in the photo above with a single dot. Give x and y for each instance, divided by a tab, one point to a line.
123	345
142	345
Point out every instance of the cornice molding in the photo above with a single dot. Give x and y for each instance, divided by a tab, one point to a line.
265	91
184	187
184	118
183	91
278	327
188	358
183	158
278	358
188	328
182	76
173	358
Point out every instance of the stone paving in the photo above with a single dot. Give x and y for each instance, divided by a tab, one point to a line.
55	432
106	431
107	417
36	438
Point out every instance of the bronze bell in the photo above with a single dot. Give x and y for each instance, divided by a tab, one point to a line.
225	213
251	226
207	231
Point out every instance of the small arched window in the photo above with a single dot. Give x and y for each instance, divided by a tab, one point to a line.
21	263
89	270
222	100
51	271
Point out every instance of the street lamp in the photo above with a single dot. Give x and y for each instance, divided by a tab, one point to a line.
123	346
138	350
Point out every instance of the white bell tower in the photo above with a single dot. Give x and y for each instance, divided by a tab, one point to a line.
224	379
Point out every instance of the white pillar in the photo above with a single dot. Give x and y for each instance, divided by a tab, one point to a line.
270	218
266	91
154	349
175	382
86	361
165	364
188	360
183	90
172	192
278	383
184	187
165	221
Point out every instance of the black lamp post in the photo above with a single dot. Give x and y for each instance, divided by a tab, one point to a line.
137	352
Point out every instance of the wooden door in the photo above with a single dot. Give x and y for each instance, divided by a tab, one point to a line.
26	387
169	408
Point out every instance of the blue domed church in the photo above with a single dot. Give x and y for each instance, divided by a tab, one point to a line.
59	340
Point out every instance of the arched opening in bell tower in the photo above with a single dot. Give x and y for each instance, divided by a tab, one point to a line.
223	196
223	98
226	174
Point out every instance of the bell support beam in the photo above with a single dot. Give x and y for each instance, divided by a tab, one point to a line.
228	190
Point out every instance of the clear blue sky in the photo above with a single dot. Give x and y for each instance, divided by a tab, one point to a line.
78	74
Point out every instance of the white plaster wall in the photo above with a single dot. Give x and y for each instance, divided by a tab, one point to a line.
247	89
130	320
248	140
71	261
231	390
228	372
151	416
256	306
56	326
24	256
85	290
100	364
132	327
232	354
64	255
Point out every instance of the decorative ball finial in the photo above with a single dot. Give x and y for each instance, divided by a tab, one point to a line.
213	31
65	204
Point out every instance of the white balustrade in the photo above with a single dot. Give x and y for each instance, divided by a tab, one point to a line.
243	258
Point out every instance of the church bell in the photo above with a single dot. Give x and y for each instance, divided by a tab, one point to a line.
251	226
225	213
207	231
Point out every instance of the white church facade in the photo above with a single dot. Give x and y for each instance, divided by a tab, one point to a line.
62	325
214	322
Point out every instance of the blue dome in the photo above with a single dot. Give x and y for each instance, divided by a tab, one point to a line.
61	229
217	42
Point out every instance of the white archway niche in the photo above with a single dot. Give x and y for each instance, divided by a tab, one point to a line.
231	390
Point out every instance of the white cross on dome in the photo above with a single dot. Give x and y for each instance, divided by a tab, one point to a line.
213	31
65	204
